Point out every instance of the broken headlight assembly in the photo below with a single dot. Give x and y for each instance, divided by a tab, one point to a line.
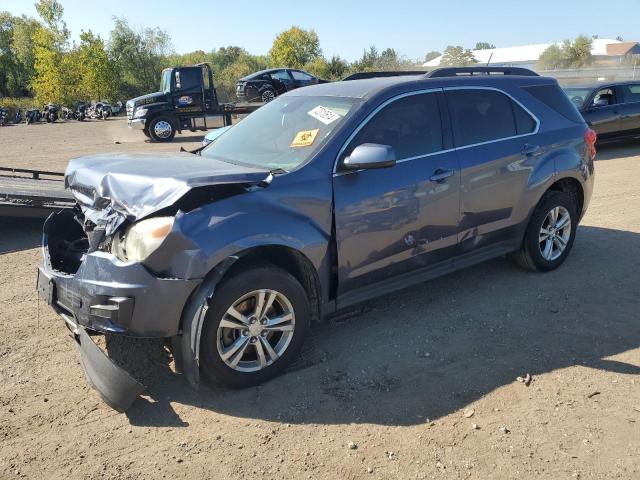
141	239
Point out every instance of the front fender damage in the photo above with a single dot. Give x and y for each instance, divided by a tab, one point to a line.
186	347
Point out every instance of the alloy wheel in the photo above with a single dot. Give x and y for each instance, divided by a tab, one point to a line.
255	330
555	233
268	95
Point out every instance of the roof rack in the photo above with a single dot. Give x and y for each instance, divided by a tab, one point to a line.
470	71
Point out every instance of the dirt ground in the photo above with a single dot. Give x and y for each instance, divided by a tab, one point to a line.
423	382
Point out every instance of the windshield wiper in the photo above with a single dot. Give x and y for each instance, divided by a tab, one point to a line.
278	171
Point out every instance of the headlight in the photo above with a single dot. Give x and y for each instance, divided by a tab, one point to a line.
141	112
141	239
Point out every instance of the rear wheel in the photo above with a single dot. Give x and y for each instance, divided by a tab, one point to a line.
162	129
550	234
254	328
267	94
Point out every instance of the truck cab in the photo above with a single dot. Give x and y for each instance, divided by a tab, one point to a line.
187	100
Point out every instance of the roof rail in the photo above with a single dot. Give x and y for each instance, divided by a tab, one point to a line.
459	71
388	73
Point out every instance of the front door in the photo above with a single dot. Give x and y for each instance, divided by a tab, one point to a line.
603	113
188	93
393	220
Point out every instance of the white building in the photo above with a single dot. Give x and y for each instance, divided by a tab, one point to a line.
527	55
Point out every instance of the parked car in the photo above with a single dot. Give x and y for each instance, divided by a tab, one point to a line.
324	198
611	109
265	85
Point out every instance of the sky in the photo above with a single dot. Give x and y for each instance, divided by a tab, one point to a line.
347	28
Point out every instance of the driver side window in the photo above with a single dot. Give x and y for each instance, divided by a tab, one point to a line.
604	98
411	125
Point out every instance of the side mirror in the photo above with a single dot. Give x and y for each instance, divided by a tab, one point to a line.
370	155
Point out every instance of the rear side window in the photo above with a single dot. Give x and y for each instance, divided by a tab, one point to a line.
411	125
555	98
484	115
630	93
297	75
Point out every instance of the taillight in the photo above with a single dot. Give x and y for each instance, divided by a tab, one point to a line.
590	138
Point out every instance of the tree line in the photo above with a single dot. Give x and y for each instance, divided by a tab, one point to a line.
38	59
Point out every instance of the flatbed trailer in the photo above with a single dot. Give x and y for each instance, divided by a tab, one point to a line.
32	193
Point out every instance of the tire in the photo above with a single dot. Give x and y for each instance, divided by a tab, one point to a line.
162	129
216	339
543	251
146	133
267	94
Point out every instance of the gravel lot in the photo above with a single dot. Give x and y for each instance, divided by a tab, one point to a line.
423	382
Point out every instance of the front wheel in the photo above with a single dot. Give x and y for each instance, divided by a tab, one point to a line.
550	234
161	129
254	327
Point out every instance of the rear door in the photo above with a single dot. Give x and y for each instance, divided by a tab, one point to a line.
394	220
630	108
603	113
492	135
188	93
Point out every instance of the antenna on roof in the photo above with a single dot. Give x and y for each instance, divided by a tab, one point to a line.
489	61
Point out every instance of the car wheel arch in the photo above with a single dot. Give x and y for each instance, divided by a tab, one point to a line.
186	347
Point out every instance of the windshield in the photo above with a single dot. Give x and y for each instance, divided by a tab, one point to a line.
284	133
165	81
577	95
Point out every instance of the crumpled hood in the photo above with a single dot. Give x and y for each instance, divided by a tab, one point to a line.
133	186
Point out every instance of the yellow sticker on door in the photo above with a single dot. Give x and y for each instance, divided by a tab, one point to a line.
304	138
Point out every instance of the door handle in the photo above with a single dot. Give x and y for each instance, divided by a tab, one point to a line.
533	150
440	175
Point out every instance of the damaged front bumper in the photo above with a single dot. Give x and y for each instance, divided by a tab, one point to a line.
109	296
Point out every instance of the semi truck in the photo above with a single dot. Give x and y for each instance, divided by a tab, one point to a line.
187	100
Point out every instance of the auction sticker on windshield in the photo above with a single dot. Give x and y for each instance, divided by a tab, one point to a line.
324	115
305	138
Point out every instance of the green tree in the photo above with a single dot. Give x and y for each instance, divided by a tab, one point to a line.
577	54
431	55
7	61
294	48
456	56
48	82
551	58
570	54
98	79
51	12
139	56
484	46
23	49
338	68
